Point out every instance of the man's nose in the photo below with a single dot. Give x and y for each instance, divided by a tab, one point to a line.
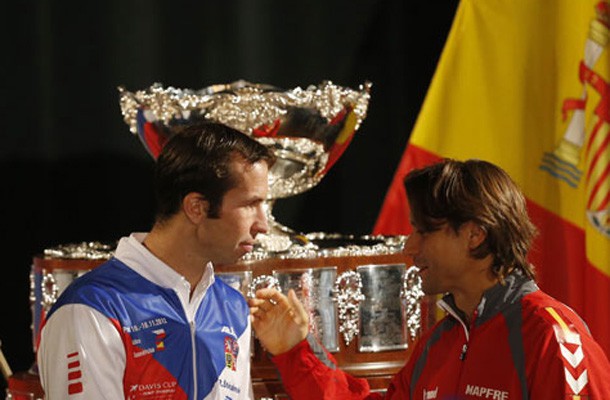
261	224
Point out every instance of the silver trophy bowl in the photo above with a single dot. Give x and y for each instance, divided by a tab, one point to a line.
307	129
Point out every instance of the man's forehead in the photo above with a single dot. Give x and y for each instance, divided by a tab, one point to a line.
238	163
240	169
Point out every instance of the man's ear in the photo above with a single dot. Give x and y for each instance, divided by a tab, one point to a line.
195	207
476	235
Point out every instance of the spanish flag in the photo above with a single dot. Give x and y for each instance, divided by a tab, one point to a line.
525	84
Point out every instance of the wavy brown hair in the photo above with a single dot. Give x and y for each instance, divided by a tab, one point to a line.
456	192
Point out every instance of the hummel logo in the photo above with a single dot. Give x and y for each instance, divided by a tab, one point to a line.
430	394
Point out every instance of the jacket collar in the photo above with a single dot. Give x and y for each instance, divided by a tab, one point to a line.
132	253
495	299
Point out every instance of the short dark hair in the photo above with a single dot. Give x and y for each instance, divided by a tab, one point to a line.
456	192
197	158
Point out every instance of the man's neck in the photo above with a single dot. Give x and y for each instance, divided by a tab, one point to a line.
469	297
174	249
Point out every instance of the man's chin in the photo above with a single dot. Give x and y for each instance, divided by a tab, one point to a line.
234	258
227	261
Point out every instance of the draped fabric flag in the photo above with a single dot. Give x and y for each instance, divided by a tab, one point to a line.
524	84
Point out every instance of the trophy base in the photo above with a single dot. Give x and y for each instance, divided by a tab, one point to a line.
278	244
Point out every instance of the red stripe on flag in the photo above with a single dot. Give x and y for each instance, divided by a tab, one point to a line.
558	253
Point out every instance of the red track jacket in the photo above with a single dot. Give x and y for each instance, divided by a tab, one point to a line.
521	344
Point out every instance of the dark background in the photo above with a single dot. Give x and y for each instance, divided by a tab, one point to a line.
70	169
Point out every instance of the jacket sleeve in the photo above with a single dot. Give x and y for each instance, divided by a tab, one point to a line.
310	372
81	356
567	361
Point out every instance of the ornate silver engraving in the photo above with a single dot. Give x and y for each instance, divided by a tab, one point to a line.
347	293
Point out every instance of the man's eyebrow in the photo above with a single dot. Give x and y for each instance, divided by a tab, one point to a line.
254	199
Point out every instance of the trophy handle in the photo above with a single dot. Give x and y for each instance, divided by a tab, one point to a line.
274	226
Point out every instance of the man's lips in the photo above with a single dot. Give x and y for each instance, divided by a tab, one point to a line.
248	246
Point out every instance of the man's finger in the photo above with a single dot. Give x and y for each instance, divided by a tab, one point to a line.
265	305
296	304
254	302
266	293
272	296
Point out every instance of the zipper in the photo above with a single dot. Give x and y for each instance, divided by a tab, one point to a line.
451	312
463	357
467	331
192	324
470	329
463	353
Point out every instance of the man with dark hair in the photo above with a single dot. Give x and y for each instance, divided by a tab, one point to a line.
153	322
502	337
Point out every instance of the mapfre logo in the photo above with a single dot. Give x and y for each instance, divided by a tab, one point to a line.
486	393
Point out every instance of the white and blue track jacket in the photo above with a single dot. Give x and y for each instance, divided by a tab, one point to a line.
129	329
